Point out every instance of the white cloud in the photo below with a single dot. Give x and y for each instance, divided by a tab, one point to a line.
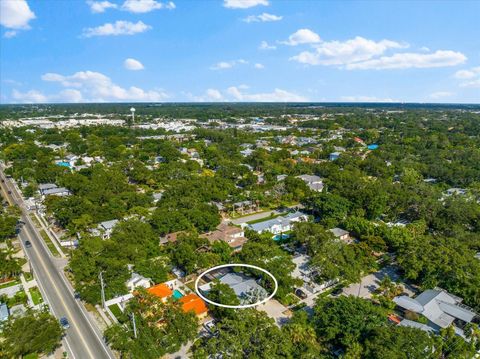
243	4
98	7
9	34
16	15
32	96
277	95
211	95
69	95
467	74
470	77
223	65
440	58
346	52
265	17
265	46
96	87
143	6
214	94
366	99
120	27
302	36
259	66
133	65
440	94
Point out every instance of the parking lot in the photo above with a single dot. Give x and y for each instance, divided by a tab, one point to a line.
371	282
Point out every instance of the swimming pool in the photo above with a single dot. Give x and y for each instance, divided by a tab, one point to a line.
278	237
373	146
63	164
177	294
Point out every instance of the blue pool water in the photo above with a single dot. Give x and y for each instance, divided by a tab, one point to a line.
63	164
372	146
177	294
278	237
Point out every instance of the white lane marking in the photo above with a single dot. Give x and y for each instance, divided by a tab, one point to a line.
45	297
67	309
80	307
27	217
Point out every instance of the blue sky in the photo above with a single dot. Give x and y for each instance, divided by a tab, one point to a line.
239	50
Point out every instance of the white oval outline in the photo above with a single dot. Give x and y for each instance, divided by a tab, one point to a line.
236	306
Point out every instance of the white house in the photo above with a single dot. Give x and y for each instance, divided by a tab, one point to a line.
137	280
51	189
105	229
341	234
280	224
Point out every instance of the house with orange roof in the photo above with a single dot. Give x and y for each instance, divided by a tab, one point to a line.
192	302
161	290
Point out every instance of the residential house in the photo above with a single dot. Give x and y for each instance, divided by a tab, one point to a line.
341	234
136	280
280	224
232	235
246	152
171	237
305	272
334	156
161	291
193	303
455	192
105	229
440	308
46	186
51	189
245	207
245	287
313	182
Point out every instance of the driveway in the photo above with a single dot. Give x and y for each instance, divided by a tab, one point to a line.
371	282
276	311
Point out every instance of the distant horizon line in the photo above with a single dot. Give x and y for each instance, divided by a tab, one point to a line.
242	102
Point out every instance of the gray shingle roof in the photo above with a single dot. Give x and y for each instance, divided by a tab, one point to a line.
338	232
438	306
108	224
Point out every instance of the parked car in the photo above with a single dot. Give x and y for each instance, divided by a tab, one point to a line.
64	323
28	244
336	292
300	293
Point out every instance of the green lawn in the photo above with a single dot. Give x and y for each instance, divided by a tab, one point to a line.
117	312
264	218
28	276
49	243
36	296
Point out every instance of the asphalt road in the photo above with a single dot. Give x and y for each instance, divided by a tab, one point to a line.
83	339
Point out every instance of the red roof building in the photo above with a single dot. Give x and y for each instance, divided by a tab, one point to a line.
193	302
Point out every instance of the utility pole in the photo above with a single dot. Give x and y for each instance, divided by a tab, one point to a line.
103	288
134	326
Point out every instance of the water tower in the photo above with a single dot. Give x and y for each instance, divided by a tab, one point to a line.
132	110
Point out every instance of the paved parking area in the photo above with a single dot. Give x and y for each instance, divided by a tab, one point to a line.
371	282
276	310
11	291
